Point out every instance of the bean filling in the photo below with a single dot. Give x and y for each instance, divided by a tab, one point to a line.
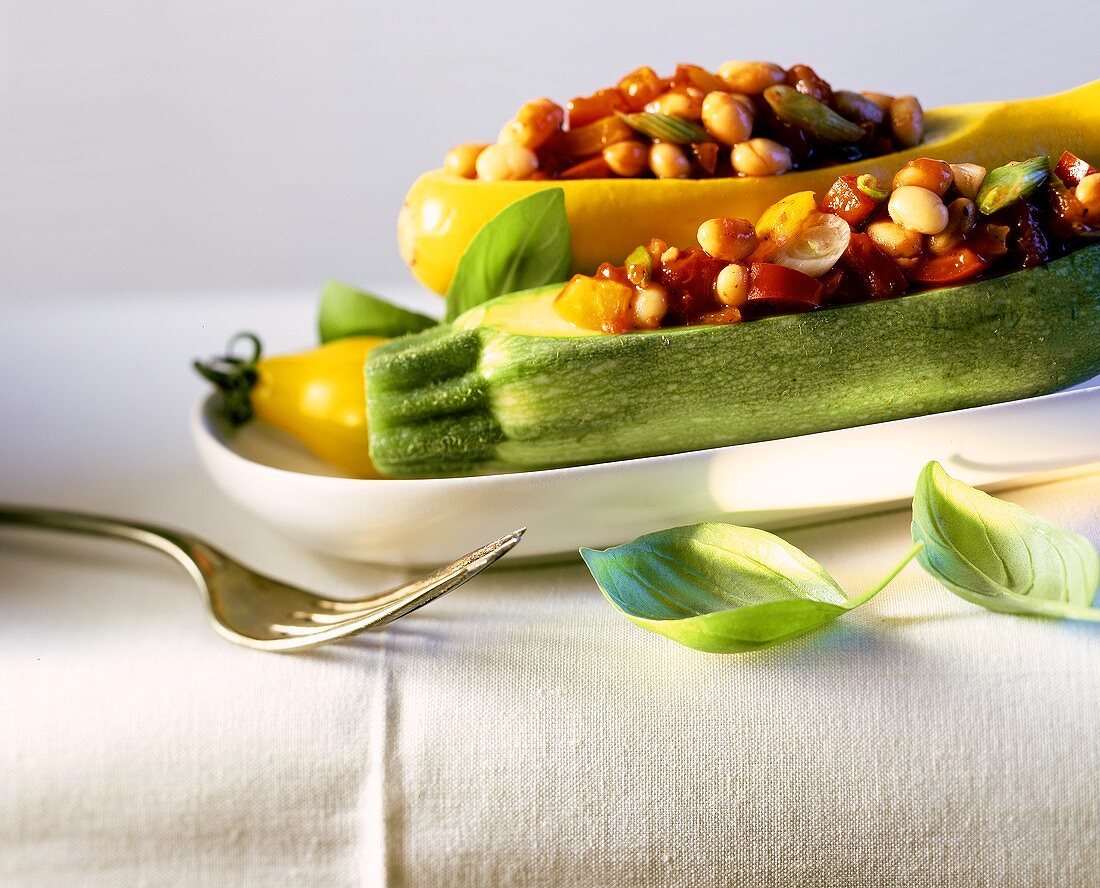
745	119
936	224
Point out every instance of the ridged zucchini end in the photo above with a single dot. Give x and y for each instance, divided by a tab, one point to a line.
428	405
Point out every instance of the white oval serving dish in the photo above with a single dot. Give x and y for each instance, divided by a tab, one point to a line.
770	484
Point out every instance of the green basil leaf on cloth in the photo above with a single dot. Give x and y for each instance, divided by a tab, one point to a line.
717	587
1000	556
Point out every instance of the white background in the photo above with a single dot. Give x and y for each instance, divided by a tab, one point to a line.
216	145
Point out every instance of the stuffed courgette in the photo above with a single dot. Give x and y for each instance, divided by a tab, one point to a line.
608	216
495	391
951	287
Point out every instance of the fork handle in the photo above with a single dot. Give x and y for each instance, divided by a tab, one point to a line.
162	539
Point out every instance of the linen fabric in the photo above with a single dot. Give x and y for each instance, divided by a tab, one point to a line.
516	732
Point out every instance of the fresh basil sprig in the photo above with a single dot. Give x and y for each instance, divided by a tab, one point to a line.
999	555
721	588
345	311
728	589
527	244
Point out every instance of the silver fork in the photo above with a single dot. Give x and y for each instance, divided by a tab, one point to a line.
256	611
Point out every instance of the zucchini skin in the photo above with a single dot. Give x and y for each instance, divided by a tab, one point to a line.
455	401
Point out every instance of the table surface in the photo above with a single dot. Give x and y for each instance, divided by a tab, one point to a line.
518	731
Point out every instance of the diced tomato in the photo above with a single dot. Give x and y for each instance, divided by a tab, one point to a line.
1027	241
593	168
553	155
700	78
1071	169
805	80
989	241
776	289
879	275
584	110
689	280
610	272
690	270
640	87
847	201
959	265
595	304
1068	216
592	139
656	248
833	282
706	155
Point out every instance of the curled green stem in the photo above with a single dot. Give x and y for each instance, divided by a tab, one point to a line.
234	376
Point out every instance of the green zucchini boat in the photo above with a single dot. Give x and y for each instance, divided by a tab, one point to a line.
794	324
510	385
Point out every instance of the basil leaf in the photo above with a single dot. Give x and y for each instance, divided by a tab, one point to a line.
345	311
717	587
999	555
524	245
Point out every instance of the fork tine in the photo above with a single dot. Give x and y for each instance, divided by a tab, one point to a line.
496	549
451	576
423	591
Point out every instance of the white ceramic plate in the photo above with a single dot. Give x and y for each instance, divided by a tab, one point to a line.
770	484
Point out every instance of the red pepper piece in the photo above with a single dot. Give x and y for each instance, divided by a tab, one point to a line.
959	265
593	168
700	78
1071	169
776	289
879	275
706	155
689	279
845	199
584	110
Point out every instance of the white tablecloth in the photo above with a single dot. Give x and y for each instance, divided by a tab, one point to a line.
518	731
